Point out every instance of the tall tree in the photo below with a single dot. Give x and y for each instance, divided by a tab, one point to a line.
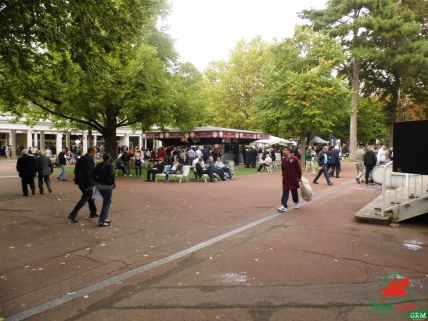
303	95
100	85
396	48
342	19
233	86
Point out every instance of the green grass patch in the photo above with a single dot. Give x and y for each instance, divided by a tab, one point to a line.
239	171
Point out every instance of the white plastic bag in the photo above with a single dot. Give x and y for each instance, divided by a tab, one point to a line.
306	190
96	195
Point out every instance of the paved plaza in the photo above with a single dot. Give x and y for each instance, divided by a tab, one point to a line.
199	251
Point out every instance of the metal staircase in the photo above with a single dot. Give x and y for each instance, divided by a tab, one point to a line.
403	196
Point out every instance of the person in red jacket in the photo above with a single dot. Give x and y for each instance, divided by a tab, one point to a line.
162	153
291	176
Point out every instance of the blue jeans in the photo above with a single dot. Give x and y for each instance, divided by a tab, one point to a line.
170	172
107	193
323	170
62	174
228	171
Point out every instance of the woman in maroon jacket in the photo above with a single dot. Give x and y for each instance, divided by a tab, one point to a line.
291	176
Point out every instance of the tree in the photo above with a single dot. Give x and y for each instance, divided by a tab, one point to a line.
303	96
101	86
233	86
396	50
342	19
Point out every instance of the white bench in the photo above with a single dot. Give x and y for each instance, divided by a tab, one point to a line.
185	175
163	174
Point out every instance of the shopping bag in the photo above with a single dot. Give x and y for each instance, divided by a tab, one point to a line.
306	190
96	195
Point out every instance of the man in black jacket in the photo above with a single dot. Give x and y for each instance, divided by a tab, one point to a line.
369	162
84	177
323	164
26	167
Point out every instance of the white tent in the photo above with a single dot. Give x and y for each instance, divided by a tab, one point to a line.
273	140
318	140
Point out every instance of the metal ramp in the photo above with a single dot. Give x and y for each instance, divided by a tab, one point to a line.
403	196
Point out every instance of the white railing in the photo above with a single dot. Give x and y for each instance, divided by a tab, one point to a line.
400	189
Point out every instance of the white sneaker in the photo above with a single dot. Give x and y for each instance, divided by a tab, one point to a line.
296	205
282	208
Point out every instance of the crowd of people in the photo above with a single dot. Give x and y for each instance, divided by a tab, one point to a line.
320	160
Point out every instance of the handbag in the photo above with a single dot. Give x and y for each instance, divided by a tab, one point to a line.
96	195
306	190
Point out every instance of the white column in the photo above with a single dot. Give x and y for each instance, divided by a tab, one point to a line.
94	139
58	143
85	143
29	138
126	140
67	140
12	141
145	143
36	142
42	141
140	142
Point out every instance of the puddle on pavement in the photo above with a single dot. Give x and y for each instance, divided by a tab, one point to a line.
412	245
233	278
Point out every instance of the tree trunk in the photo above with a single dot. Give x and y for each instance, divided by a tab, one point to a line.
302	151
394	103
354	106
109	136
109	133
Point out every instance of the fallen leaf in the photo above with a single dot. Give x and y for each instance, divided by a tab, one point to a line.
28	245
63	263
11	247
86	296
256	259
40	269
102	244
71	293
27	266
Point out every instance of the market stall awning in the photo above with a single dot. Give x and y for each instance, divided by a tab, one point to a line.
206	134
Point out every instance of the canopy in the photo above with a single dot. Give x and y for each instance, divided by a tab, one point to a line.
273	140
318	140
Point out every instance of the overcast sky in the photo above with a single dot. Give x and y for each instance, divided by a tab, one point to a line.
207	30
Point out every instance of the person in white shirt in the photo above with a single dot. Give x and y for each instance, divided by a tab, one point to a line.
220	165
381	155
198	153
267	162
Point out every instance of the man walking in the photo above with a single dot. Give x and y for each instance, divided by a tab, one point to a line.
26	167
291	176
323	165
83	172
44	170
309	161
62	161
359	162
369	163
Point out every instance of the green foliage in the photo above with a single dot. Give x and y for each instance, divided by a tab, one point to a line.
303	96
371	121
233	86
94	65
